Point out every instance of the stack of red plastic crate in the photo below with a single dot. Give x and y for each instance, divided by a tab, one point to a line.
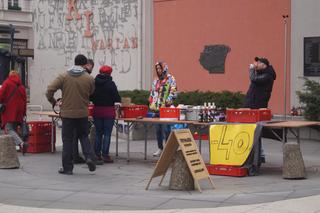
40	136
134	111
240	116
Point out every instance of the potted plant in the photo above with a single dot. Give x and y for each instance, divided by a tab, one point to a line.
310	98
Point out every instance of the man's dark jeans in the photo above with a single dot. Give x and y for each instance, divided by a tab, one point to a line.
76	154
80	126
162	132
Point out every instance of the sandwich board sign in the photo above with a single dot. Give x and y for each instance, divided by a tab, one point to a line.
182	139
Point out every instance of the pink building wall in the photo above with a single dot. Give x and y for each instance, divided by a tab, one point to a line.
249	27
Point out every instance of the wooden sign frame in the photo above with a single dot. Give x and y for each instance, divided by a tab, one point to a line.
182	139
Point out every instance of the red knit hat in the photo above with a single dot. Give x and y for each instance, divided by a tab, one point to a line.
105	69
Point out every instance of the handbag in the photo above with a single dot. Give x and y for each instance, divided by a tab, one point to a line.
3	105
2	108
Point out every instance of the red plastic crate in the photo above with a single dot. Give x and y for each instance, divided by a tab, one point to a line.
248	115
40	148
203	136
168	113
134	111
40	132
39	139
39	127
227	170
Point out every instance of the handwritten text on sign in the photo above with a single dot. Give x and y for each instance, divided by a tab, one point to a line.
231	144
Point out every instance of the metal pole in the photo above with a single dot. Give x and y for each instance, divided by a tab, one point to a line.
285	18
12	31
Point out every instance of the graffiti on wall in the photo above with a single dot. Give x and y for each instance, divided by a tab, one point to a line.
106	31
213	57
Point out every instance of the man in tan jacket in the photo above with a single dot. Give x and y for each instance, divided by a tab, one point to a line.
76	86
77	159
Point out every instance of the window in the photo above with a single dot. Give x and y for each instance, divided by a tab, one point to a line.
13	5
312	56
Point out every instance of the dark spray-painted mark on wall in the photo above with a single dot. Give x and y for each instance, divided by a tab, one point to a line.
213	58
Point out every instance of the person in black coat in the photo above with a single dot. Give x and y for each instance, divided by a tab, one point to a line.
262	76
104	97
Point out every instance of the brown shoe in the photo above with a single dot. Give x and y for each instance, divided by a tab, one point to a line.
98	160
107	159
99	157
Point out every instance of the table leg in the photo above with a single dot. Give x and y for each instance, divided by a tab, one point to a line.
145	140
284	135
128	142
298	135
117	138
52	134
200	142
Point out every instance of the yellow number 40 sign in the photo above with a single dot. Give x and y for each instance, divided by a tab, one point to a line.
231	144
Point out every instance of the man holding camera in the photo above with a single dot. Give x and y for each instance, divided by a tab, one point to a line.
261	75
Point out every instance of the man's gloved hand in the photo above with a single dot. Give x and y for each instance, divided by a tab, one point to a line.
59	102
55	103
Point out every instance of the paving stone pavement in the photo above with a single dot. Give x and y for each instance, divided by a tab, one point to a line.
121	186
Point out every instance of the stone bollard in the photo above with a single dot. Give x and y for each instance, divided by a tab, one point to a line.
293	165
8	154
181	177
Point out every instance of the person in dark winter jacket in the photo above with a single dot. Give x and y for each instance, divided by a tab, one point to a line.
104	98
262	76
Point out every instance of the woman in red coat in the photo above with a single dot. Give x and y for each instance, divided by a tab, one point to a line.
13	95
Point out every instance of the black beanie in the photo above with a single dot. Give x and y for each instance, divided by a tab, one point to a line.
80	60
262	60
